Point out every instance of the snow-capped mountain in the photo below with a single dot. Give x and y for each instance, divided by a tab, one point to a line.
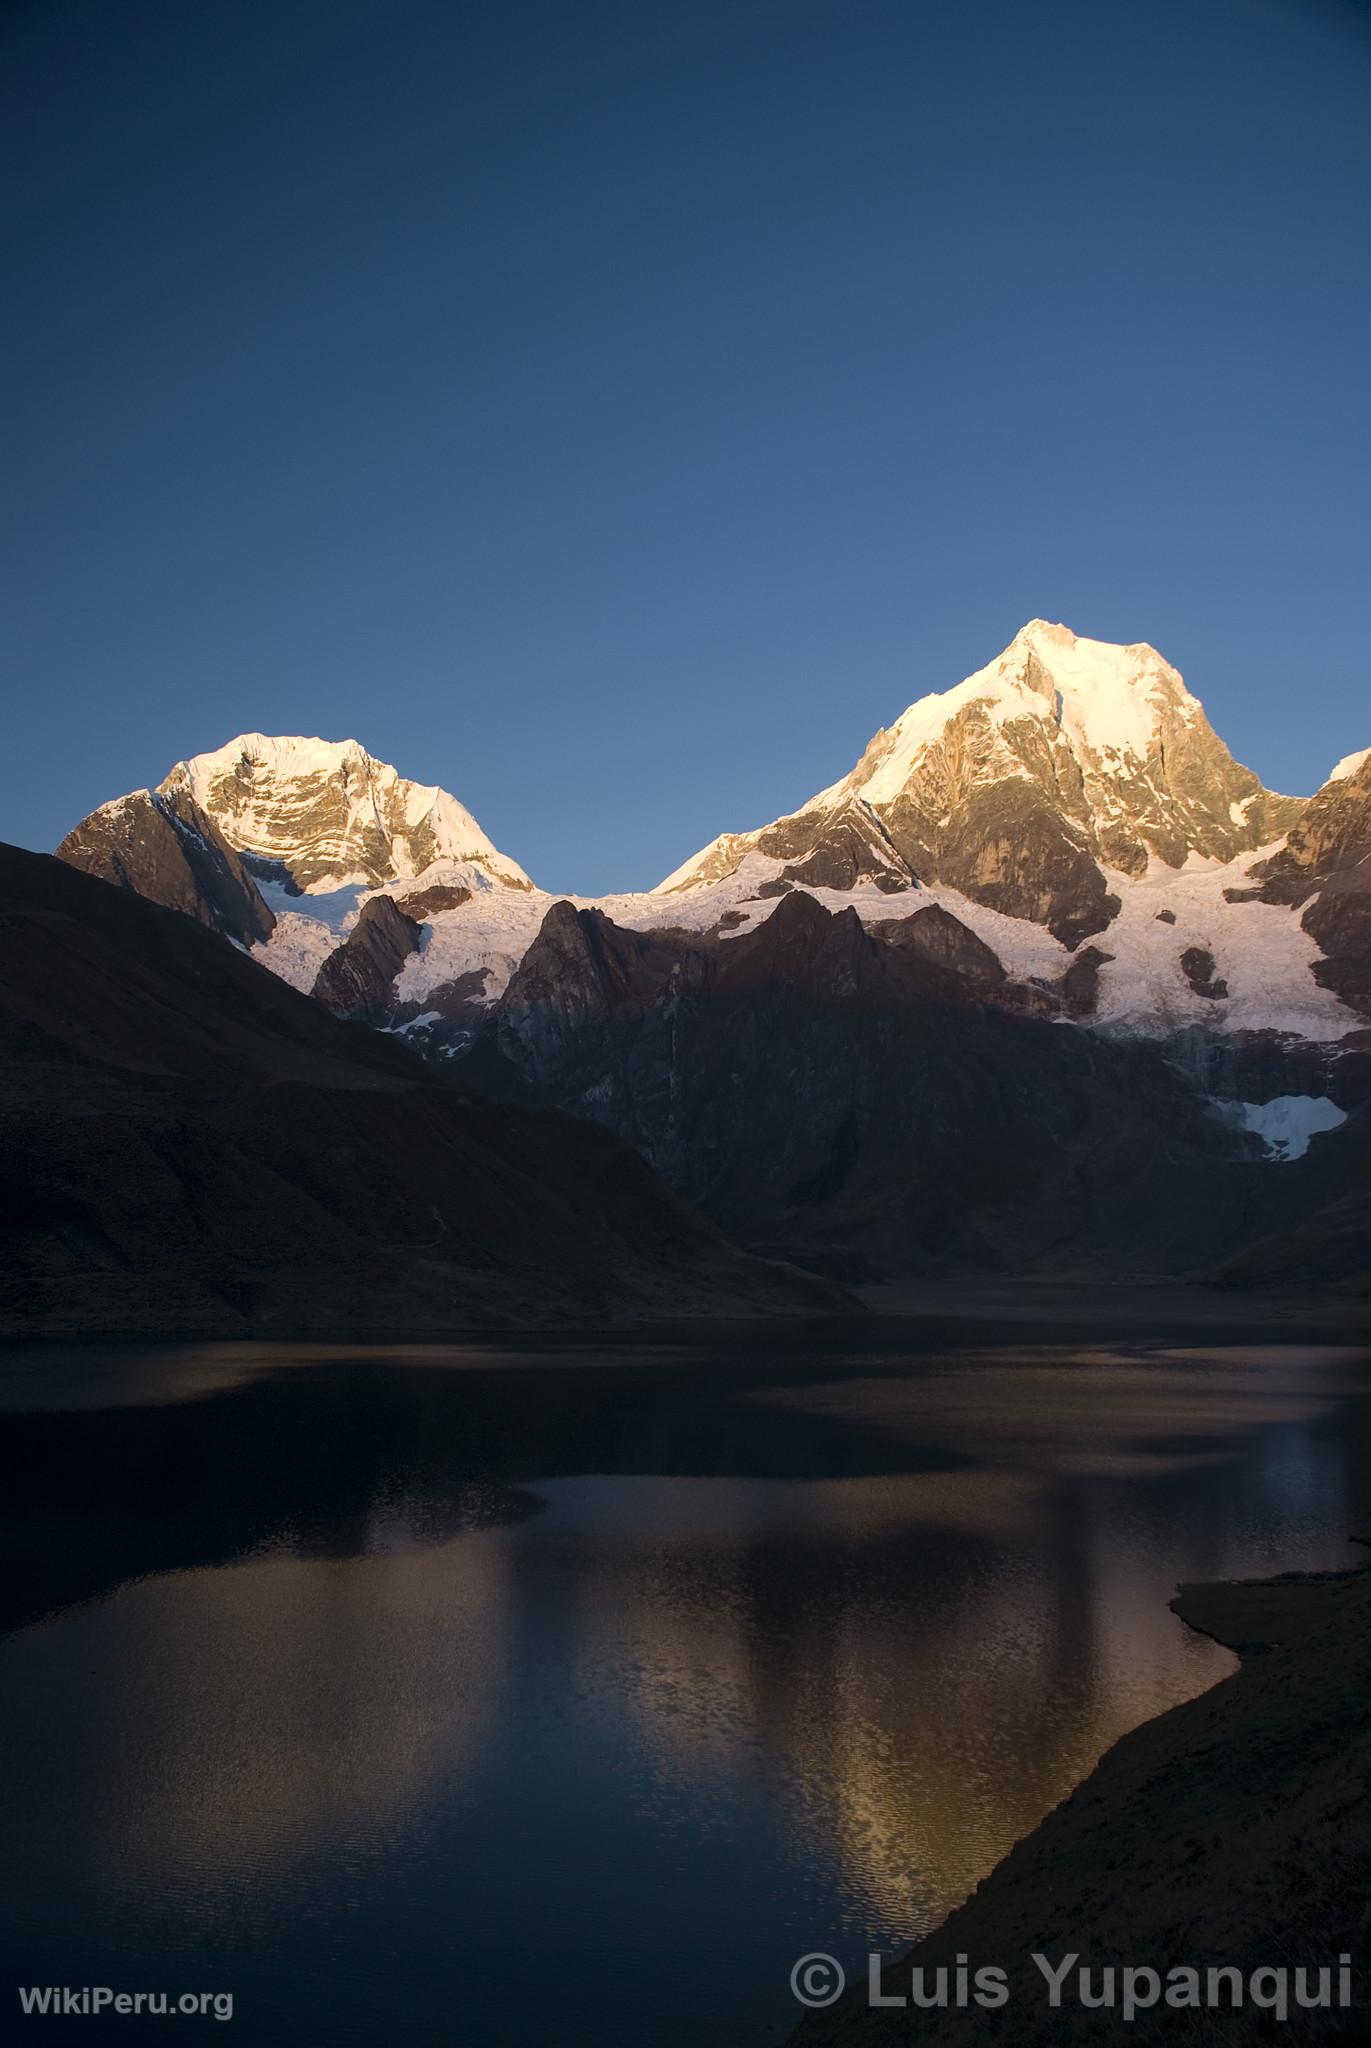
842	1033
1024	787
273	840
330	816
1069	790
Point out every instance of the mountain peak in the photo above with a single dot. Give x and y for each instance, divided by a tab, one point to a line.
290	753
1024	784
330	814
1043	633
1107	701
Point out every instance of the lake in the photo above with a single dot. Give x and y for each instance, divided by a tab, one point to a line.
496	1695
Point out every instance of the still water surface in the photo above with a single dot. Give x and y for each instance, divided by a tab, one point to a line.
496	1697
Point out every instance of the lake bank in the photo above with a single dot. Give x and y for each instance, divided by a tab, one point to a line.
1234	1830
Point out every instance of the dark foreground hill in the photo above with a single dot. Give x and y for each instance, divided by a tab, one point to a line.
1234	1831
186	1144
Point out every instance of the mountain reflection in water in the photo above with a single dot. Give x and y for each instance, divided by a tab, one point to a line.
424	1695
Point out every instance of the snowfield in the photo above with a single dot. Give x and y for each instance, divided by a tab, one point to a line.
297	949
1259	949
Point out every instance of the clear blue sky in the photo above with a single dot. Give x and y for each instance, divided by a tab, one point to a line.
615	413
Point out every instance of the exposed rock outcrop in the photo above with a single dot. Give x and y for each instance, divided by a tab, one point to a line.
848	846
422	904
1329	842
1339	919
939	936
1079	987
1199	968
358	980
160	844
1327	856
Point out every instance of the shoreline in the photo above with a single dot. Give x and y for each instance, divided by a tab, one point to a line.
956	1311
1232	1830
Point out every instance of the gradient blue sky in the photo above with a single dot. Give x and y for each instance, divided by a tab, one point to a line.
615	413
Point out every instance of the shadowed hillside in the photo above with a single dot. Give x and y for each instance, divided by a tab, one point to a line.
188	1144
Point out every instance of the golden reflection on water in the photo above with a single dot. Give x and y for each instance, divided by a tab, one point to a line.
913	1755
906	1670
274	1709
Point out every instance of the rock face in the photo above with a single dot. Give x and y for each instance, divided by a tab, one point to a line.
358	980
1021	786
1339	919
1078	991
944	939
1329	842
853	847
162	845
431	902
1327	856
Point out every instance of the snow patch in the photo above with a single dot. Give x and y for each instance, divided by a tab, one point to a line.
333	908
1288	1122
297	949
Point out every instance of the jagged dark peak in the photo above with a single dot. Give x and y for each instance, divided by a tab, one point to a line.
802	945
358	978
800	917
581	959
937	935
162	845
